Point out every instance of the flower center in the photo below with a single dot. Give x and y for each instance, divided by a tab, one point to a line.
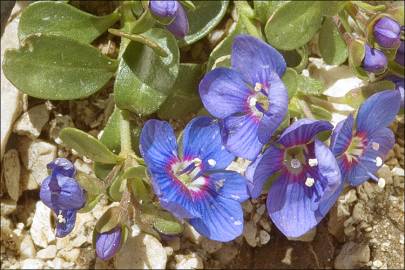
297	163
258	101
189	173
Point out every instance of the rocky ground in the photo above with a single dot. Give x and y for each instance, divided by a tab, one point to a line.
365	229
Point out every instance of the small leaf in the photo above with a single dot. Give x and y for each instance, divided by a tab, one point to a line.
332	47
51	17
188	4
91	184
356	56
109	220
184	100
264	9
87	145
144	79
331	8
293	24
116	188
91	202
320	113
290	80
162	221
135	172
57	68
203	19
309	86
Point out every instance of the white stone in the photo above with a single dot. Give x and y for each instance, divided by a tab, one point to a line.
377	263
79	240
69	255
210	246
397	171
261	209
352	256
141	252
264	237
12	172
31	122
11	98
191	234
47	253
249	232
32	264
41	230
7	207
189	261
27	248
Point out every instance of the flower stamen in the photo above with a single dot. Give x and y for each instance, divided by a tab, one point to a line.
309	182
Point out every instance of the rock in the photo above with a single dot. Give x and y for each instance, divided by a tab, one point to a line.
79	240
27	248
31	122
57	124
169	251
377	264
385	172
397	171
11	98
32	264
358	212
47	253
12	172
7	207
41	230
264	237
191	234
265	224
261	209
308	237
226	254
69	255
83	167
352	256
210	246
190	261
141	252
247	207
249	232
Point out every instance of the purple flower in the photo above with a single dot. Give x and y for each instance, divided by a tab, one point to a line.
191	182
307	178
108	243
399	57
61	192
399	86
360	151
250	99
374	60
387	32
173	10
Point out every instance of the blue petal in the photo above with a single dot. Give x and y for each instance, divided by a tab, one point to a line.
202	139
62	166
108	243
221	218
228	184
240	136
378	111
342	136
262	168
223	92
179	26
64	228
278	106
157	144
250	55
303	131
167	8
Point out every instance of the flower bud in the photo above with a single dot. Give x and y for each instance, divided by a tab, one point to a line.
108	243
179	26
399	57
163	8
62	166
374	60
387	32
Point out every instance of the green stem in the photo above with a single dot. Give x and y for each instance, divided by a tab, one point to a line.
125	131
305	109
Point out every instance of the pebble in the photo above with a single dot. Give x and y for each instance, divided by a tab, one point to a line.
12	172
174	243
377	263
27	248
31	122
141	252
248	207
32	264
47	253
191	234
190	261
264	237
385	172
397	171
249	232
261	209
41	230
226	254
79	240
8	206
211	246
352	256
69	255
265	224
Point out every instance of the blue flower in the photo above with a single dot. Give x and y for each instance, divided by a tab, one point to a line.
61	192
374	60
399	86
399	57
173	10
387	32
191	182
360	150
307	178
108	243
250	99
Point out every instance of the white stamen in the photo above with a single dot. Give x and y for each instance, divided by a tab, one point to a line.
295	163
60	218
196	161
375	146
252	101
309	182
212	162
378	161
258	87
312	162
381	182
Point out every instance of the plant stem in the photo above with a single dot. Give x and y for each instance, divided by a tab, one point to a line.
305	109
125	131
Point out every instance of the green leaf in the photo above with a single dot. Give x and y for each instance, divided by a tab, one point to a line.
57	68
87	145
309	86
290	80
135	172
184	99
331	8
188	4
320	113
203	19
162	221
332	47
293	24
50	17
92	185
144	79
109	220
91	202
264	9
356	56
117	187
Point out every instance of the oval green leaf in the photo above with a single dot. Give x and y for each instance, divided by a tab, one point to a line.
205	16
165	223
57	68
293	24
109	220
332	47
145	79
87	145
52	17
290	78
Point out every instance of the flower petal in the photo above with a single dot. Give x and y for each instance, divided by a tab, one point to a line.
262	168
108	243
179	26
378	111
240	136
342	136
62	166
157	144
278	106
202	139
165	8
64	228
228	184
250	55
223	92
303	131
